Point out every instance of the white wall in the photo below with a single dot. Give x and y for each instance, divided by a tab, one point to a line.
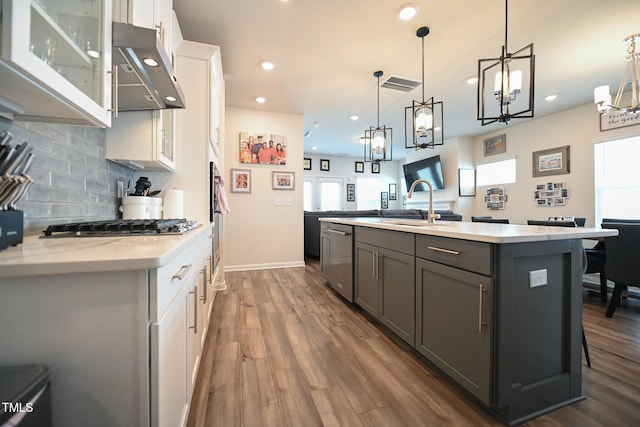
258	234
344	167
578	128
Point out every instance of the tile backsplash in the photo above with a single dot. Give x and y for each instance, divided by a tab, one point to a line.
72	179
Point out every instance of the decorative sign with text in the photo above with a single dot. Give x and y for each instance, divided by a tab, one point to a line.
618	119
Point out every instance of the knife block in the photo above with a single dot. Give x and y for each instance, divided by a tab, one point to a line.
11	228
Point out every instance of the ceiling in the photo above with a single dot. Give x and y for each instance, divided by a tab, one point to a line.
326	52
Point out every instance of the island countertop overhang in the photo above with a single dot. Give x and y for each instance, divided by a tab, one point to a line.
477	231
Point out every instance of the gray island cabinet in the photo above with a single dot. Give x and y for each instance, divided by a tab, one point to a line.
497	308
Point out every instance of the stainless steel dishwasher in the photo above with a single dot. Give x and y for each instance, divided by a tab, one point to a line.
336	257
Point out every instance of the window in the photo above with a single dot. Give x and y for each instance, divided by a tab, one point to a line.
616	179
323	194
503	172
368	193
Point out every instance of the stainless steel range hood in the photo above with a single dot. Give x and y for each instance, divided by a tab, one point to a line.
142	86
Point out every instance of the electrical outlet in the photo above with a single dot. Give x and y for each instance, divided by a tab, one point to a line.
537	278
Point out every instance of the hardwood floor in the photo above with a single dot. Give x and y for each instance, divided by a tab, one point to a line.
284	350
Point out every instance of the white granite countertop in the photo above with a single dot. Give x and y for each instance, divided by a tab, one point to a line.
477	231
64	255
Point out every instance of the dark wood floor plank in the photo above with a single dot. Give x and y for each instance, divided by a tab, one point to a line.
284	349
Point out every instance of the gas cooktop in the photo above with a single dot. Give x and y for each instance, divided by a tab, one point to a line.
121	227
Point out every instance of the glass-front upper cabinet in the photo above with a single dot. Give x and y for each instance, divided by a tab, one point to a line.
55	60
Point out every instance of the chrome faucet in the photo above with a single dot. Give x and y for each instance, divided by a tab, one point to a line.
432	216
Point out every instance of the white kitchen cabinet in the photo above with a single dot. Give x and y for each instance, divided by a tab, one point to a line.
143	140
116	333
199	69
153	14
55	61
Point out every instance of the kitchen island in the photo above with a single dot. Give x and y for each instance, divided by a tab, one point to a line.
497	308
120	321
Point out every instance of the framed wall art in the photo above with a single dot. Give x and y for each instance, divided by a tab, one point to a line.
375	167
240	181
553	161
392	191
384	200
324	165
359	167
495	145
351	192
282	180
307	164
466	182
263	148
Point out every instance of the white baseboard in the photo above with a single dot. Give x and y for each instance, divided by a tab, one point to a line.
269	266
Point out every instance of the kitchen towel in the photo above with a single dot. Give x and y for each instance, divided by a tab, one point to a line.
173	204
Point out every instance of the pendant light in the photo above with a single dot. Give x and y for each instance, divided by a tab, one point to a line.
510	80
601	94
423	120
378	141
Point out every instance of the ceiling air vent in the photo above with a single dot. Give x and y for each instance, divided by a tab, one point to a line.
398	83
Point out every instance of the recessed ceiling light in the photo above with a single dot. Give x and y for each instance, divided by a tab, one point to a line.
314	148
354	117
408	11
150	62
551	97
261	100
267	65
471	80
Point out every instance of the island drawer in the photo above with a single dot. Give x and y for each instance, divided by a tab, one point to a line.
393	240
464	254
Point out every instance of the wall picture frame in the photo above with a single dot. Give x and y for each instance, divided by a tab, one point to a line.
553	161
240	181
324	165
351	192
495	145
384	200
393	188
306	163
262	148
375	167
359	167
466	182
283	180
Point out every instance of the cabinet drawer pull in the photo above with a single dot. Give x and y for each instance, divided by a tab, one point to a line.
182	272
447	251
204	278
339	232
195	310
480	309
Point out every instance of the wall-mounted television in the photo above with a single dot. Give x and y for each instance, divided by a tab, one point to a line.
429	168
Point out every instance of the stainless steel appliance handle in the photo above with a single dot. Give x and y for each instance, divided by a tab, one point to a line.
448	251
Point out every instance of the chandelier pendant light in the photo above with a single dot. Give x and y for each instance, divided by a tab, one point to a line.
601	94
506	84
423	120
378	140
